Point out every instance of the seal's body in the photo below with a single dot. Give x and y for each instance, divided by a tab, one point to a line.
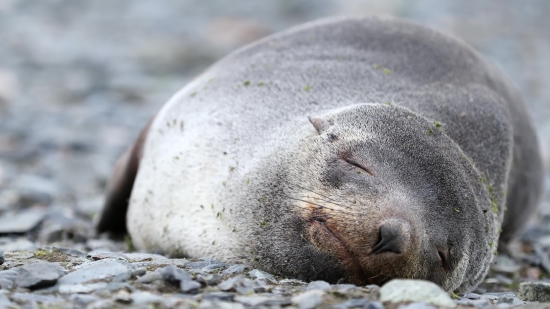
364	149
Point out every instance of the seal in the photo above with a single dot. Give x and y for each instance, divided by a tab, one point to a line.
355	149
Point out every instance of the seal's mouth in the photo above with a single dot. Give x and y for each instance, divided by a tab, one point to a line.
324	236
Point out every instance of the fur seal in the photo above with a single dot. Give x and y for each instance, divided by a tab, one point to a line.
361	149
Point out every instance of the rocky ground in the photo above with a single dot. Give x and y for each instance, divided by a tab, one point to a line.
79	78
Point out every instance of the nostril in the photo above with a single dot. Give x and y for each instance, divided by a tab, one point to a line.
392	239
442	258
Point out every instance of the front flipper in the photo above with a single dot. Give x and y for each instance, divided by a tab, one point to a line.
119	188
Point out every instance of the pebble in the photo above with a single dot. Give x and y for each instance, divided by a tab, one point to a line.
189	286
319	285
174	275
219	296
2	257
39	275
97	270
534	291
257	300
405	290
235	269
308	300
262	275
210	279
18	223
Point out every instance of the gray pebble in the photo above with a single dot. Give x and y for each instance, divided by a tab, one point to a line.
96	270
4	301
150	277
235	269
206	304
214	267
123	297
174	275
210	279
21	222
2	257
319	285
140	271
190	286
236	283
39	275
220	296
479	303
145	298
81	288
359	303
257	300
258	274
29	297
472	296
420	305
10	274
309	299
5	284
83	299
292	282
102	304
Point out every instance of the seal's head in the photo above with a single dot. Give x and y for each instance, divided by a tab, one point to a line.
373	192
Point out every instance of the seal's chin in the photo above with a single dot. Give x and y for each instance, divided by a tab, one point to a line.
325	237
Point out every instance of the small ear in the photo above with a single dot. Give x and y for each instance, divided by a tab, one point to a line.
319	124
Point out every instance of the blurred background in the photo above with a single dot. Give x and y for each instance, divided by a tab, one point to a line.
78	79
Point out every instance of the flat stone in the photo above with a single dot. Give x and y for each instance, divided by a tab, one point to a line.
258	274
235	269
405	290
190	286
83	300
219	296
19	244
319	285
81	288
174	275
39	275
141	257
4	301
107	255
479	303
123	297
308	300
257	300
210	279
207	304
5	284
534	291
420	305
203	263
292	282
150	277
145	298
140	271
232	284
21	222
102	269
9	274
30	297
359	303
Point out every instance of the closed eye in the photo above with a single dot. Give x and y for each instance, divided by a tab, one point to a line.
359	166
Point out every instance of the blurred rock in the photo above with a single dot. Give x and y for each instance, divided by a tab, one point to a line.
534	291
22	222
39	275
401	290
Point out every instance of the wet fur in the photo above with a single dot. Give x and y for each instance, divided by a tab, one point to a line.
233	169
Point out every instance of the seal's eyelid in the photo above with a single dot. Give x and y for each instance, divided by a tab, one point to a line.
319	124
352	162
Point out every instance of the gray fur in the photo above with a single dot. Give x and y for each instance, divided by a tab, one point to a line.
442	135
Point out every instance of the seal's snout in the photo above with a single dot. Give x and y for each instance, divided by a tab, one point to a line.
394	237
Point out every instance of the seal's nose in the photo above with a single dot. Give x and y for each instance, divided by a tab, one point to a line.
394	236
